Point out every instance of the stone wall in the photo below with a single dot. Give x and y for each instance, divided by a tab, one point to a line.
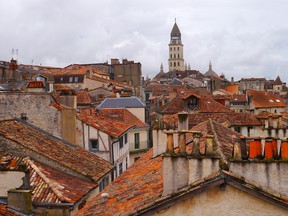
37	108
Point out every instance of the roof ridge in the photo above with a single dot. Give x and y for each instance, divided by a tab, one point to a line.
50	184
211	122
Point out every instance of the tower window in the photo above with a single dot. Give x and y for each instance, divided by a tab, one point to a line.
171	64
178	64
174	64
174	55
174	49
170	48
171	56
178	55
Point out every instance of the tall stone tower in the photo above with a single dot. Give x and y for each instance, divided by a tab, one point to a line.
176	58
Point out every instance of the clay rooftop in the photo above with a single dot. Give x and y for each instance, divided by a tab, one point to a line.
46	145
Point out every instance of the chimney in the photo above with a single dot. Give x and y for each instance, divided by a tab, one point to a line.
209	145
68	125
232	80
284	149
268	149
176	167
182	128
68	98
237	153
280	121
20	200
255	148
24	117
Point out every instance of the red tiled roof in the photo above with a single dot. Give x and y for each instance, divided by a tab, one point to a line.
206	104
239	98
223	135
140	184
83	97
233	119
232	89
4	211
48	185
262	99
123	115
111	127
57	106
53	186
44	144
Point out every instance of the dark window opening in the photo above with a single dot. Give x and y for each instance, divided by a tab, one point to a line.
136	140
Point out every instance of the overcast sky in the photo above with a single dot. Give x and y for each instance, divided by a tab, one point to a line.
242	38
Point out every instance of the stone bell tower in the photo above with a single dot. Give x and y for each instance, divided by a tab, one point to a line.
176	57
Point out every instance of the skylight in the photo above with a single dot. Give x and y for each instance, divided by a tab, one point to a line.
271	100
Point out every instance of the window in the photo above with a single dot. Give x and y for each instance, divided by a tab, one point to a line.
120	168
178	64
174	55
104	183
61	79
178	56
192	103
126	160
125	138
237	129
174	64
121	142
178	48
94	145
76	79
136	140
171	56
70	79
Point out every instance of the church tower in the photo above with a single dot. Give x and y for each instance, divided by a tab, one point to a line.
176	58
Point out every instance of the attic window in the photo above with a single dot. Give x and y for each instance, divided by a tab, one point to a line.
192	103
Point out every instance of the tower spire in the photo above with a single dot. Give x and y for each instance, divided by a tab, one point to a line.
210	66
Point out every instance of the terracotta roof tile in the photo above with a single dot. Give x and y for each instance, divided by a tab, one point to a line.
206	104
123	115
109	126
54	186
262	99
232	119
232	89
43	143
48	184
83	98
4	211
139	185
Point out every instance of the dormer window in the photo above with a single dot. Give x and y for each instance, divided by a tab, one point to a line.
192	103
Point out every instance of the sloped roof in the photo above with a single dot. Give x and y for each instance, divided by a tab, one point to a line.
53	186
278	81
232	119
123	115
48	185
73	157
223	136
139	189
83	98
140	184
206	104
262	99
232	89
5	211
109	126
129	102
175	32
